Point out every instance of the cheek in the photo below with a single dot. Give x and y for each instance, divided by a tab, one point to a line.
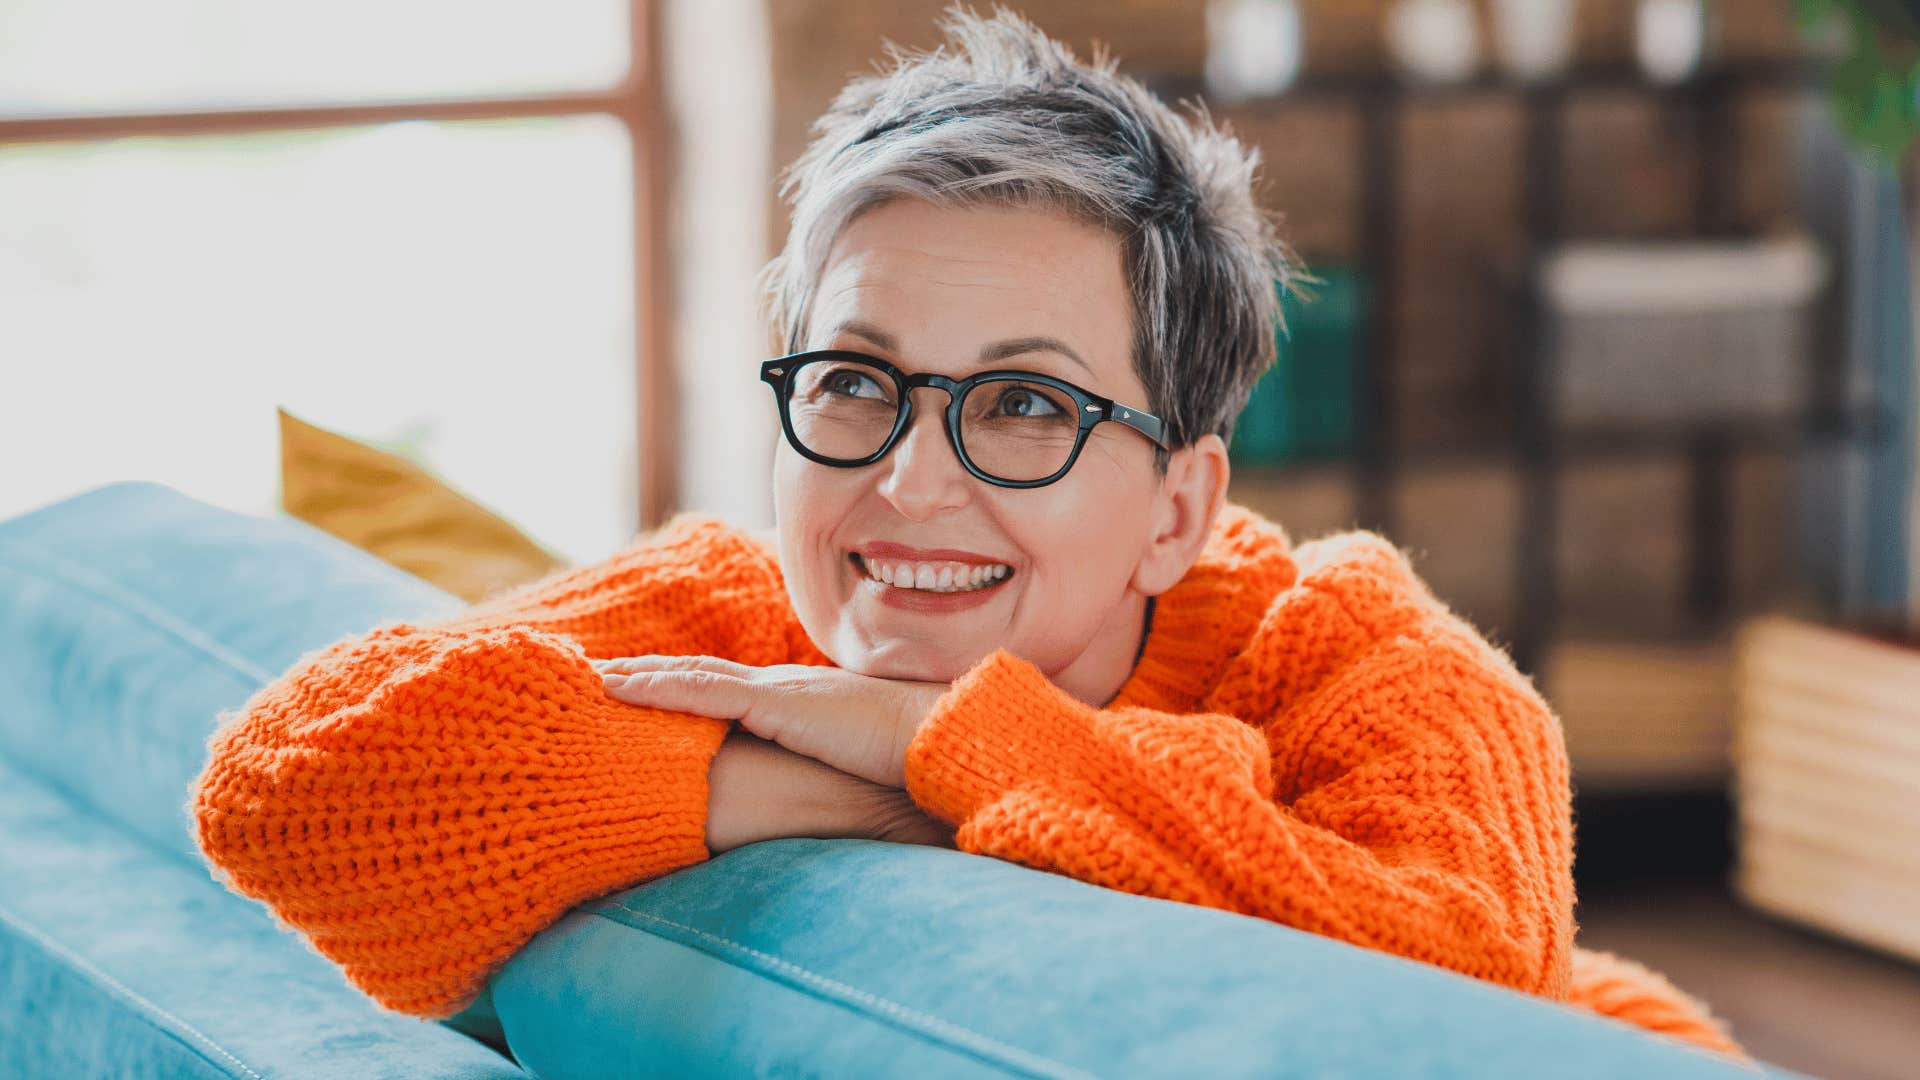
797	493
811	511
786	475
1081	549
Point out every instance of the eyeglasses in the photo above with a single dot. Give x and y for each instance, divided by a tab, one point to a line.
1022	430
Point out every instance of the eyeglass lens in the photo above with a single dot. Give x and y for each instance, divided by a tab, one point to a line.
1011	429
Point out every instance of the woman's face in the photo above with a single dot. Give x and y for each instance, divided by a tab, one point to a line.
933	289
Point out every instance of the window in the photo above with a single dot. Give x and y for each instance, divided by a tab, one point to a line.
304	214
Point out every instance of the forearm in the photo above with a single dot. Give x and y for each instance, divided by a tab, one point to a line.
582	795
759	790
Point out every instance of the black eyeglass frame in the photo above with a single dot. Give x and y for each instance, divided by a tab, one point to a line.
1092	409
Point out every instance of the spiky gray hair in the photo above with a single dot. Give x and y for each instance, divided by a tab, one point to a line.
1011	117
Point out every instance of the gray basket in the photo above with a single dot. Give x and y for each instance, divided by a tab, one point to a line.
1672	333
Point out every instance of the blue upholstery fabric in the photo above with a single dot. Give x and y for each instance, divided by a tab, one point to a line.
131	615
843	956
120	960
134	614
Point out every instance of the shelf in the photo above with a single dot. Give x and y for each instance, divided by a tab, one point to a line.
1315	86
1516	478
1754	433
1702	636
1626	441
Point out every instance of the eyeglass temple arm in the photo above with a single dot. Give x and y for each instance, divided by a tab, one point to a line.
1145	423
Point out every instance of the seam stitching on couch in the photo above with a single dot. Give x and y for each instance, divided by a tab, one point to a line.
151	1009
971	1040
73	577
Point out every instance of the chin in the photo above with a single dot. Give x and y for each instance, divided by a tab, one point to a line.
909	664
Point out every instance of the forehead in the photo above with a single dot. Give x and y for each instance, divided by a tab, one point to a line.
944	283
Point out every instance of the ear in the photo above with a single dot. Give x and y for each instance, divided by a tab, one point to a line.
1184	509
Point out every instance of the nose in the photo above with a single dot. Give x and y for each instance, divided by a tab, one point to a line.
923	475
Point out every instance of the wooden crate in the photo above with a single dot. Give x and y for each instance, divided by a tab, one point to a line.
1826	766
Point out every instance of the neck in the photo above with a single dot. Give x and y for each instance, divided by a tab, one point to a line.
1096	675
1146	628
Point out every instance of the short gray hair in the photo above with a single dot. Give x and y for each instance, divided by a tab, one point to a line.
1013	118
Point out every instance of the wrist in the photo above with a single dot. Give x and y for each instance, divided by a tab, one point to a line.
739	809
759	790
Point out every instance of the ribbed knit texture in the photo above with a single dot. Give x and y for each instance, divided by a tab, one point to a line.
1309	736
422	800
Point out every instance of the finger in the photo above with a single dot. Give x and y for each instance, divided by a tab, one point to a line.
704	693
630	665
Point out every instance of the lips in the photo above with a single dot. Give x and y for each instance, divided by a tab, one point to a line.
884	549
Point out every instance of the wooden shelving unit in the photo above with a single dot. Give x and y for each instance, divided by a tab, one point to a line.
1530	439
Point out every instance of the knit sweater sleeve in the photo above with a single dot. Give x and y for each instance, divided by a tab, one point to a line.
418	801
1377	780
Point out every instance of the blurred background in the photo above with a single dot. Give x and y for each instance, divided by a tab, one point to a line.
1614	334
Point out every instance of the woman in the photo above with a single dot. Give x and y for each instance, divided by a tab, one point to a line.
1010	609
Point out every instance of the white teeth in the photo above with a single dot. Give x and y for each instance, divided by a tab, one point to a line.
948	578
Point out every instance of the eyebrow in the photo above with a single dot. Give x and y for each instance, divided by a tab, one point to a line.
999	350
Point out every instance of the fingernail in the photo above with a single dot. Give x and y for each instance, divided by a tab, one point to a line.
612	678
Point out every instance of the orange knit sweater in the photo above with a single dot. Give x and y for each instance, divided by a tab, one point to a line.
1309	736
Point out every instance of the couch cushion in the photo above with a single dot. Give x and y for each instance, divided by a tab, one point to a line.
117	960
134	614
851	958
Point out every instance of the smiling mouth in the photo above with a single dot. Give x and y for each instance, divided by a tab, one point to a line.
860	565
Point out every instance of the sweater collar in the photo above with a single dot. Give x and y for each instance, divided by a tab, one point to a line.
1207	618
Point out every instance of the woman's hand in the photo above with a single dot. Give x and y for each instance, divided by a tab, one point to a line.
758	790
856	723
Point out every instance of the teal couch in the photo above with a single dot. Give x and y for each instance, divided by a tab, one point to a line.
130	615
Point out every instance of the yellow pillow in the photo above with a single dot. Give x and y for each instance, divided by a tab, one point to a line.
385	504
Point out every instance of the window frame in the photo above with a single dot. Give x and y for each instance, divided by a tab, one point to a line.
637	101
